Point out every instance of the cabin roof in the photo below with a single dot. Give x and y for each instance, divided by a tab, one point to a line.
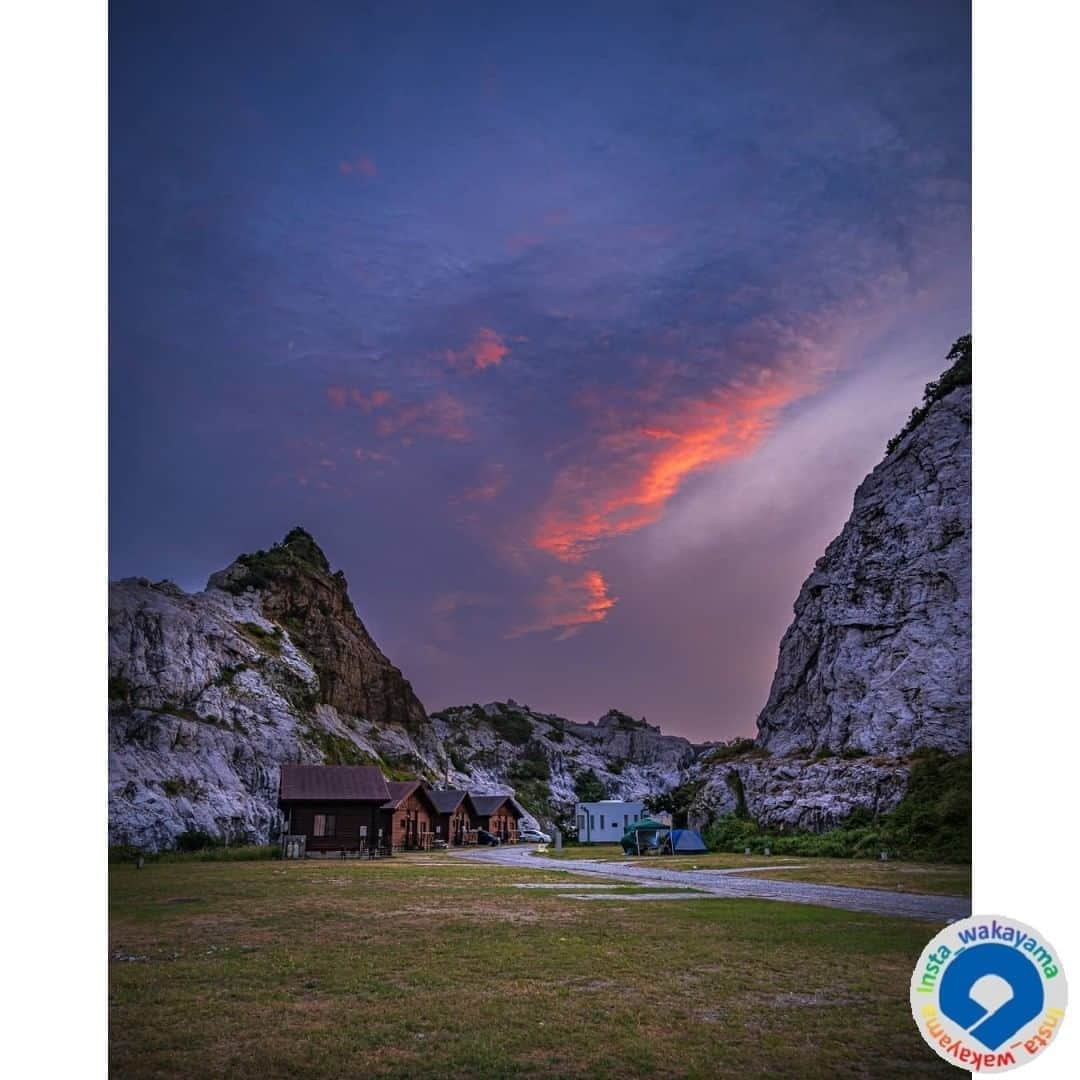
333	783
447	801
488	804
400	790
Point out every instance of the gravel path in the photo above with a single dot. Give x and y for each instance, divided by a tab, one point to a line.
936	909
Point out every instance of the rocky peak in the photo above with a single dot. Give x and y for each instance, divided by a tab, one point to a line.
299	591
621	721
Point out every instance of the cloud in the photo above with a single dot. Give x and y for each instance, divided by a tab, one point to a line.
639	462
361	166
569	604
341	396
489	486
486	349
363	455
442	417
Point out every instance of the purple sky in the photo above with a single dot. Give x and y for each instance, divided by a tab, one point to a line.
568	334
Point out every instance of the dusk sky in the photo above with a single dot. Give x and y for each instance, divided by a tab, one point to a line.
567	330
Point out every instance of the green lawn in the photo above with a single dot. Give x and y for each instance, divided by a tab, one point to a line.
941	879
436	967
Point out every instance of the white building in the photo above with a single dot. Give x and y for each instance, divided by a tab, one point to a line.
604	822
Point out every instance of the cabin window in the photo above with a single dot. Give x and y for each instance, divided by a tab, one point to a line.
601	821
581	822
592	821
324	825
625	820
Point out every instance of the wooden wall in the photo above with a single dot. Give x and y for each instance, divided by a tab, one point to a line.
458	827
411	825
350	818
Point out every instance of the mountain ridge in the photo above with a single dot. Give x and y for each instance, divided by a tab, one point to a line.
211	692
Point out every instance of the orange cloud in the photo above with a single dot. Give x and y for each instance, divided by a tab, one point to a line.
487	349
569	604
362	166
340	396
443	417
638	466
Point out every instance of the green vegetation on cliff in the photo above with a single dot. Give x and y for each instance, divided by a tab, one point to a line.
957	375
932	823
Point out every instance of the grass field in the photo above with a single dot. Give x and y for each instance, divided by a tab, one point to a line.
939	879
436	967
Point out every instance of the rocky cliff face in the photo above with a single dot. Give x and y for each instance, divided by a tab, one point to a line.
876	665
544	757
210	693
878	658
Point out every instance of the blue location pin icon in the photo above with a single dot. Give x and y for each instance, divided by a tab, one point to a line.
991	991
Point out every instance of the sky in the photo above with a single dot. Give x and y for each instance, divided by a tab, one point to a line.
568	330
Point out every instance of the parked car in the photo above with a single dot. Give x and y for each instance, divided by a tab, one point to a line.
484	837
534	836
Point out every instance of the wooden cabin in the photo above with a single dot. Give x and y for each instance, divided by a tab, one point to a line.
456	822
500	814
338	808
409	816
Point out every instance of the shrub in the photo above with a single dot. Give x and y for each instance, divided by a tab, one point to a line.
270	640
676	802
176	786
733	748
532	765
339	750
196	840
932	823
513	726
957	375
220	853
588	787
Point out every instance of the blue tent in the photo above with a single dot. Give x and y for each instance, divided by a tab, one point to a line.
685	841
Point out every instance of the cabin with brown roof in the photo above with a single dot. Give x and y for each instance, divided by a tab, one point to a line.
456	820
409	816
500	814
336	808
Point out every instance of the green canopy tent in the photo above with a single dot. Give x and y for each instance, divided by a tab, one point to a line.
644	835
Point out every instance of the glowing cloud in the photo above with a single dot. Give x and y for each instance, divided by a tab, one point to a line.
569	604
637	466
443	417
487	349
